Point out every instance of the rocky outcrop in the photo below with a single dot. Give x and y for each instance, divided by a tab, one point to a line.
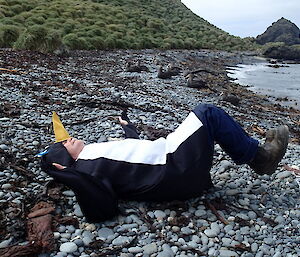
282	30
283	52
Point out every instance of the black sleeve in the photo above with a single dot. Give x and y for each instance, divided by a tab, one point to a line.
130	131
96	198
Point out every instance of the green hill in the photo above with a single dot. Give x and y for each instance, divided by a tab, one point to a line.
45	25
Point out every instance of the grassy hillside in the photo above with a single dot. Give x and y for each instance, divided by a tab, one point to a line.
45	25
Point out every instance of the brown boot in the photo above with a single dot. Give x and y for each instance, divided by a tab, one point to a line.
270	154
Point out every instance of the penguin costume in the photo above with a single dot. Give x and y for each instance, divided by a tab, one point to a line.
172	168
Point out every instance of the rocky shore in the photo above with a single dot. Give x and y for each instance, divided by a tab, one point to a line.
244	215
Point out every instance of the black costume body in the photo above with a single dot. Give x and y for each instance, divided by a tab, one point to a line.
175	167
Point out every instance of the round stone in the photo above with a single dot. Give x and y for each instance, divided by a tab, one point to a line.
283	174
150	248
6	186
68	247
104	233
135	249
159	214
121	240
227	253
68	193
4	147
200	213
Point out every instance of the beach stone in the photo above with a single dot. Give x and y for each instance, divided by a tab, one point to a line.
165	254
104	233
283	174
65	235
167	251
87	237
254	247
4	147
196	239
268	241
252	215
175	229
204	239
79	242
5	243
56	235
77	211
150	248
210	232
226	241
200	213
6	186
126	227
68	193
186	231
70	228
68	247
227	253
90	227
215	226
245	230
279	219
224	165
231	192
120	240
135	249
159	214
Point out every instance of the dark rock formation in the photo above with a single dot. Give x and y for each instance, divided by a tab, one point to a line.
283	52
231	99
282	30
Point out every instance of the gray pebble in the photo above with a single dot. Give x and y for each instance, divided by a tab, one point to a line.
68	193
126	227
78	242
135	249
283	174
77	211
159	214
6	186
227	253
186	231
120	240
104	233
150	248
4	147
68	247
226	241
5	243
210	232
200	213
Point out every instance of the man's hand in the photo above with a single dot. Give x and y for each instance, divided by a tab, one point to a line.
58	166
123	122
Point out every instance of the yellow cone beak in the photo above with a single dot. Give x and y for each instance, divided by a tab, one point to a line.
59	130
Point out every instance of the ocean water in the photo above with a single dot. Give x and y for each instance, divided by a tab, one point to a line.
281	85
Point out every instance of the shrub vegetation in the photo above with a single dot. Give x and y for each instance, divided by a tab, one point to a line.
107	24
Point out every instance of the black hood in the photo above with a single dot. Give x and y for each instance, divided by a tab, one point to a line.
57	153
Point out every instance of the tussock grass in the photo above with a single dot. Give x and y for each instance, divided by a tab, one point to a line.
44	25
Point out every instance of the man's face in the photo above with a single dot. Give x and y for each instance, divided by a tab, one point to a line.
73	146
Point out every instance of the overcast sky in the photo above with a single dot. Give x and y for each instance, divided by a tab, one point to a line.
245	17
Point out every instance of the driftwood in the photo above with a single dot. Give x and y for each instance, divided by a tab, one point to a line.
16	71
215	212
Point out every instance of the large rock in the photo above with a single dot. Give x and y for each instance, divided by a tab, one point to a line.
283	52
282	30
